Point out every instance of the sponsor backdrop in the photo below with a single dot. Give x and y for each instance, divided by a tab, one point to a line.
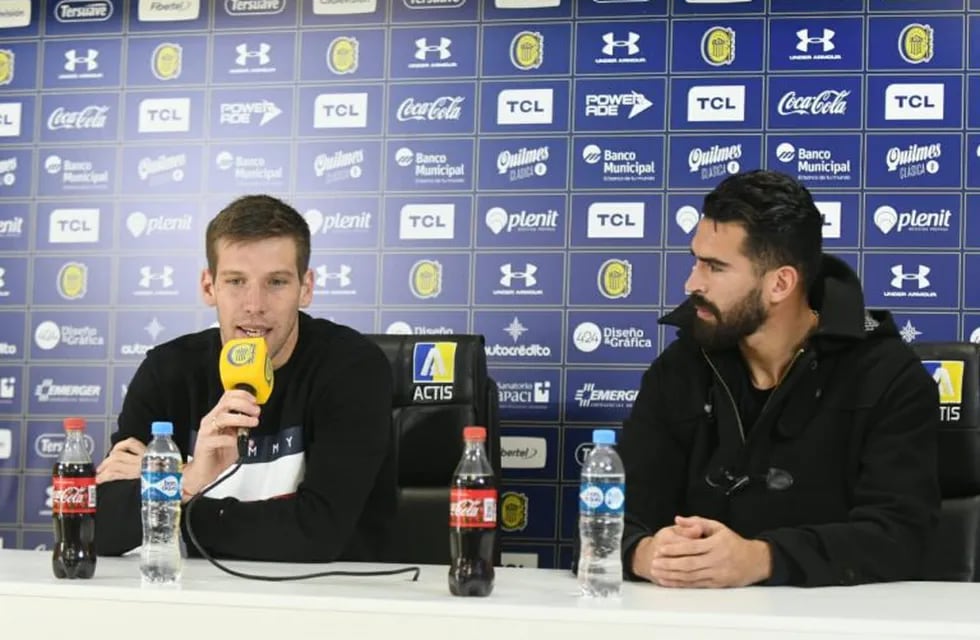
526	169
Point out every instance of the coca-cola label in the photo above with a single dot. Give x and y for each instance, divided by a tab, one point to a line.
442	108
90	117
827	102
72	495
602	498
160	486
473	508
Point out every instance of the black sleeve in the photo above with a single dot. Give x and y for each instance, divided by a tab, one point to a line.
895	499
656	466
118	524
351	439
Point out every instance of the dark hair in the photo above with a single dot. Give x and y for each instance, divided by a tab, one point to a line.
258	217
782	224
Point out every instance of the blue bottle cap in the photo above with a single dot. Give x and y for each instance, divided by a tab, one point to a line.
604	436
161	428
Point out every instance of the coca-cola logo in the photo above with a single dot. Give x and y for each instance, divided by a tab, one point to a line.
465	509
73	496
91	117
442	108
830	102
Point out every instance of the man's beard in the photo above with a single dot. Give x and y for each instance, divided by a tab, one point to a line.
742	320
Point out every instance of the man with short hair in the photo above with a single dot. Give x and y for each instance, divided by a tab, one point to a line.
788	435
319	482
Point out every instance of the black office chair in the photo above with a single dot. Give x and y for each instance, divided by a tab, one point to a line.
429	412
955	550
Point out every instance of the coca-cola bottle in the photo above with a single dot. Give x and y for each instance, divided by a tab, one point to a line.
472	519
73	506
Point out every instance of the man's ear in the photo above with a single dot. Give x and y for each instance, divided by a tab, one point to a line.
207	288
306	289
782	283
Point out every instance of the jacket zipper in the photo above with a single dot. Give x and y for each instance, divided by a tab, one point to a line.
731	398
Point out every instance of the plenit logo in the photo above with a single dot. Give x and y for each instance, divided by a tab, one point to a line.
83	10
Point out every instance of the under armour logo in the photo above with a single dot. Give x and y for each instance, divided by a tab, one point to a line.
73	60
323	276
826	41
509	275
261	54
423	48
631	43
901	276
148	276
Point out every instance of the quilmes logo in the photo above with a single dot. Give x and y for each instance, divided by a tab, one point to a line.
526	162
525	106
162	169
83	10
918	101
167	61
716	160
718	46
8	171
343	54
615	279
948	375
830	102
914	160
611	105
433	371
499	220
616	220
425	279
340	110
716	103
254	7
888	219
527	50
339	165
916	43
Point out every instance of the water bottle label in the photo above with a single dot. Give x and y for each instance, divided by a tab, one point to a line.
157	485
603	498
473	508
72	495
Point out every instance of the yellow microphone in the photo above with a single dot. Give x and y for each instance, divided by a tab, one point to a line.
245	364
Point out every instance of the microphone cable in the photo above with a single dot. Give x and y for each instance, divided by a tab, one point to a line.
414	570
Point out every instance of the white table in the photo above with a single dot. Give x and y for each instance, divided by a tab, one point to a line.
526	603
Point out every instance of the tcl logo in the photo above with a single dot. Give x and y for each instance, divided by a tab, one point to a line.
165	115
74	225
716	104
914	101
615	220
525	106
427	222
340	110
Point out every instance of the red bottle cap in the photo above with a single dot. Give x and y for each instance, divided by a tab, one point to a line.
474	433
74	424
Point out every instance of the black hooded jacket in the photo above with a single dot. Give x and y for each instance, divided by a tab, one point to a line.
838	473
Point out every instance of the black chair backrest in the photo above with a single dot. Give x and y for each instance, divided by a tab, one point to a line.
955	550
441	385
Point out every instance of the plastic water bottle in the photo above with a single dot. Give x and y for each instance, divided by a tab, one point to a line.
160	482
601	498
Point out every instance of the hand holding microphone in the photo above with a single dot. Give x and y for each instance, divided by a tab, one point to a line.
245	364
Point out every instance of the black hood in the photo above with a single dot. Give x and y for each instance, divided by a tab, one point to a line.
838	297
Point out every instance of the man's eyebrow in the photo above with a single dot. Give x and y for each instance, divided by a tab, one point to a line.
234	272
717	262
